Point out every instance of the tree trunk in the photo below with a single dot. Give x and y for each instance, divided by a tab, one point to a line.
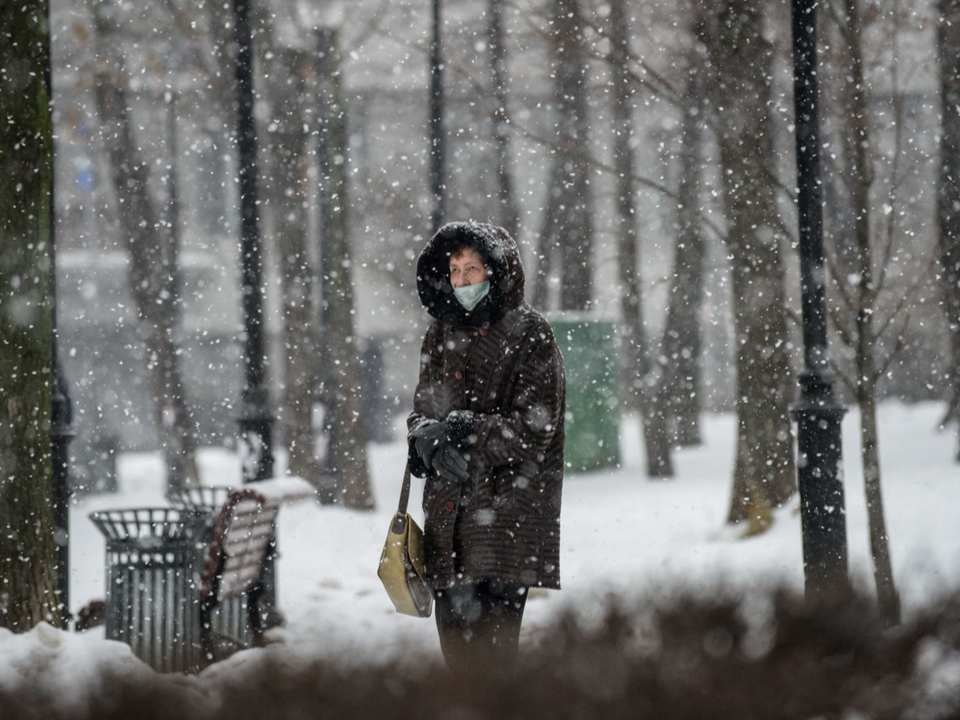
887	596
28	549
347	446
141	229
568	227
948	190
632	331
862	176
545	248
637	395
682	336
288	190
509	214
148	250
740	91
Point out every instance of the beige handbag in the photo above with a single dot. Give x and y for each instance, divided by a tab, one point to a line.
401	564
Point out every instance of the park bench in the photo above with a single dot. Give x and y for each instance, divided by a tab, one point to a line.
237	558
241	540
193	628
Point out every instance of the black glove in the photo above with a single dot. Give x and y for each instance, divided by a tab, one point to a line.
427	440
451	464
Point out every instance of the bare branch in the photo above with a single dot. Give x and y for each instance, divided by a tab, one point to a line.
794	318
841	22
898	347
660	88
846	334
839	282
906	297
846	379
371	27
891	224
582	153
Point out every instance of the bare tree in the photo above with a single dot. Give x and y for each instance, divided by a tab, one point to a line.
859	281
347	446
948	192
148	247
568	215
287	188
639	394
741	60
680	387
509	212
28	549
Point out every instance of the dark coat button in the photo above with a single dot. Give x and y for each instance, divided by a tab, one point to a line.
458	375
450	506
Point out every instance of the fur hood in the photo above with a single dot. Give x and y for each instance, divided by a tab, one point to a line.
504	270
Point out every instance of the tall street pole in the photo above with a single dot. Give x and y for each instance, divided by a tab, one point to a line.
256	423
437	138
176	467
61	433
818	415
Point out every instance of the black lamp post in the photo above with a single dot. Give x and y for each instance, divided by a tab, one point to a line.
437	138
818	415
256	422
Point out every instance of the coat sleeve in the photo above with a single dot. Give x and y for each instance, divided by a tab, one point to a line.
533	413
424	407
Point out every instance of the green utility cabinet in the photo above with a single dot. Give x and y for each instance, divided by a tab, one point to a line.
590	359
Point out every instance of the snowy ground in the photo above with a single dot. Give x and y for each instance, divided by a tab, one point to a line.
620	532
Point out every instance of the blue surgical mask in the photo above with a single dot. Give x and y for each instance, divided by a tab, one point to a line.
470	295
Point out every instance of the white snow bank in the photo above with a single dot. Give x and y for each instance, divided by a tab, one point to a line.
57	672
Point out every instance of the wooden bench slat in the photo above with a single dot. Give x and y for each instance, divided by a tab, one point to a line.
244	520
236	534
238	561
251	546
235	583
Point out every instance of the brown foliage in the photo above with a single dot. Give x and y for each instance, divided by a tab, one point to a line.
690	657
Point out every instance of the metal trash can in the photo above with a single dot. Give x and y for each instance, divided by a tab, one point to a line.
152	583
590	359
230	619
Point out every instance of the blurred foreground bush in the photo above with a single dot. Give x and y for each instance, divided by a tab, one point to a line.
736	657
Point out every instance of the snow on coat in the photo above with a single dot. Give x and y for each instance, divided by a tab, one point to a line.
496	375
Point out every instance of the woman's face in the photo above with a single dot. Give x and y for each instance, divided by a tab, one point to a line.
467	268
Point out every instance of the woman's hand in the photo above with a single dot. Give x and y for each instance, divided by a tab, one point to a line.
451	464
427	440
433	444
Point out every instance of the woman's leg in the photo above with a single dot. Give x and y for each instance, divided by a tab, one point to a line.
480	623
498	630
457	609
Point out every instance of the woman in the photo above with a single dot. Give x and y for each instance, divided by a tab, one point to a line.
487	432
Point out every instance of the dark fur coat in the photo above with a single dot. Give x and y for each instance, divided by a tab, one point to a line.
496	376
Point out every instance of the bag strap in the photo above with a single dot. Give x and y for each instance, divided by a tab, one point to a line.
405	491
